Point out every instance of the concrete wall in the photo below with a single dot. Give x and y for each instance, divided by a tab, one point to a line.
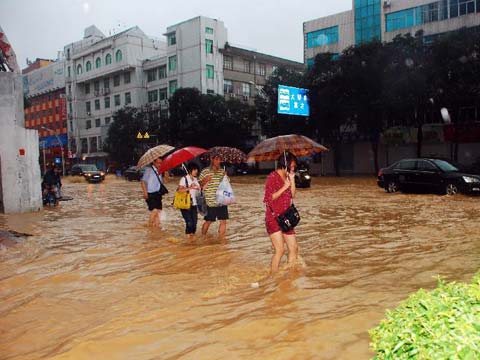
19	167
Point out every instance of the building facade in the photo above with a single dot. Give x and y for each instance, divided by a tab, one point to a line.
102	75
385	19
46	111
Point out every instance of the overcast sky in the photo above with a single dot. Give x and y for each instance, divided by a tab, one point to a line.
41	28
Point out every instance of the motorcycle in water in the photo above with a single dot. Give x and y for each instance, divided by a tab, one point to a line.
50	195
302	176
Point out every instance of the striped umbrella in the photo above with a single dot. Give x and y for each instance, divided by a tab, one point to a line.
154	153
271	149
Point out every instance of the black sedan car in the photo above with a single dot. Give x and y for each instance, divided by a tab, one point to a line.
432	175
302	176
132	173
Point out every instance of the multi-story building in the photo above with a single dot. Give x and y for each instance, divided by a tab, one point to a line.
46	110
385	19
103	74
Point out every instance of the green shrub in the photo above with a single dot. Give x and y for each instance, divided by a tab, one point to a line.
440	324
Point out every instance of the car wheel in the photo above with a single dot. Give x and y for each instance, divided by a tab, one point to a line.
451	189
392	187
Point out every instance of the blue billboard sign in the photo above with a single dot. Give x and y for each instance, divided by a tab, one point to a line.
293	101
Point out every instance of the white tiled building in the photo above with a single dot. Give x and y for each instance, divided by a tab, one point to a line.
103	74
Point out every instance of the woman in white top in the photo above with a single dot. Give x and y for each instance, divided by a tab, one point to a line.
190	183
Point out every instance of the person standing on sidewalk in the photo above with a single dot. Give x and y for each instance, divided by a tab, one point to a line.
210	179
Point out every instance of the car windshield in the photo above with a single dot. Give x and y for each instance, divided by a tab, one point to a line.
446	166
89	168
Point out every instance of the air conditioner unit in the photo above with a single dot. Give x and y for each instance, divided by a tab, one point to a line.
97	93
89	113
386	3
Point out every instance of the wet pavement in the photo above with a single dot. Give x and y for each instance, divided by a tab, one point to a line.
93	282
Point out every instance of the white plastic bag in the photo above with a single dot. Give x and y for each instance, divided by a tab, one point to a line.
225	195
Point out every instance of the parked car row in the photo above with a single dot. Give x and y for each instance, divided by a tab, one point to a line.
428	175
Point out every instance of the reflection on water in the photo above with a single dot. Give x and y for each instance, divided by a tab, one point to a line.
95	283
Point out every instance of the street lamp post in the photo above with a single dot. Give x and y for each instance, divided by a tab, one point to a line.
61	146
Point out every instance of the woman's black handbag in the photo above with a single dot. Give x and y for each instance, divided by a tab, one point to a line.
288	219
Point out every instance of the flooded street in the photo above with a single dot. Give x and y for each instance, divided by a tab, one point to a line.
93	282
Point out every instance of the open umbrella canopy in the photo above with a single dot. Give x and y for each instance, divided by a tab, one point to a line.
180	156
228	154
154	153
271	149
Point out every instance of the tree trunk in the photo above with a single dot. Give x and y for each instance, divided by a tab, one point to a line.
419	140
337	156
375	155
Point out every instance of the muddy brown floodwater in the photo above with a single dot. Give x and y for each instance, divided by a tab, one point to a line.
93	282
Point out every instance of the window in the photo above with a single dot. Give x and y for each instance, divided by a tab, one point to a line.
425	166
172	87
69	72
107	120
322	37
151	75
106	83
208	30
97	104
99	143
406	165
227	86
210	92
96	86
88	107
88	124
210	71
107	102
152	96
162	72
79	69
98	63
108	59
400	19
116	80
87	88
172	63
97	122
93	144
367	20
126	78
171	39
262	69
246	66
84	144
128	98
116	100
118	56
162	94
209	46
228	62
246	89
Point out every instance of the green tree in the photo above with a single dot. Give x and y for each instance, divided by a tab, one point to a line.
122	143
272	123
208	120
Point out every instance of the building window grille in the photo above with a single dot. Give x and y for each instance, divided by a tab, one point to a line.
210	71
118	56
108	59
209	46
98	63
228	62
172	63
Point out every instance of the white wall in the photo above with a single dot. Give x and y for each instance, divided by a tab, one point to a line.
20	178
